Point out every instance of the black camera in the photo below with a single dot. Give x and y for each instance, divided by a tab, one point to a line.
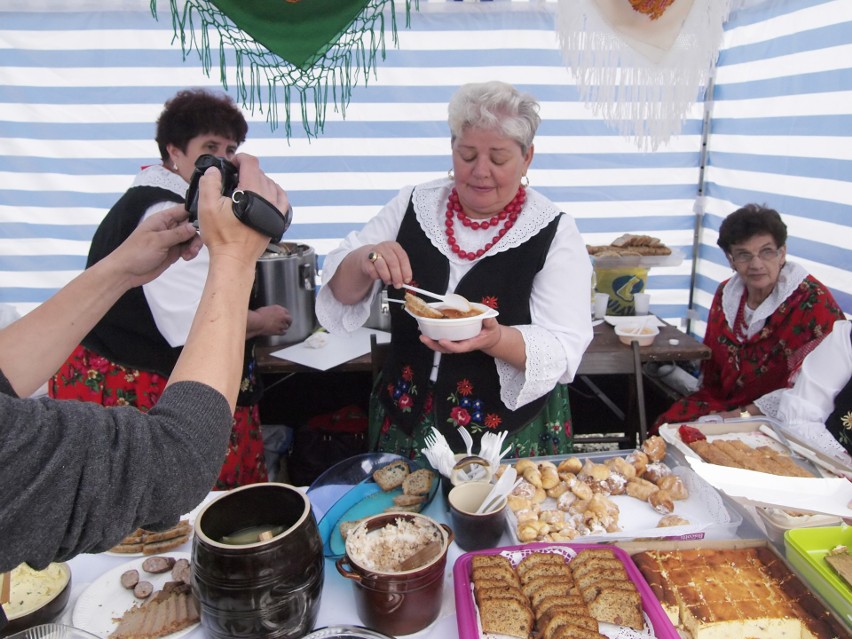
250	208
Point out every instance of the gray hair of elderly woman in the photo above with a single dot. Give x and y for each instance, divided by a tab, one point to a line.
494	106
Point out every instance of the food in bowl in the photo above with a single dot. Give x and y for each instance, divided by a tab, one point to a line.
639	332
385	549
453	328
421	309
37	596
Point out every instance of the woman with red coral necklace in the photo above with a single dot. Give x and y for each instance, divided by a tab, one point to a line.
482	233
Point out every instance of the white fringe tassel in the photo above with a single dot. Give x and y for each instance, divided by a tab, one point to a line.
644	100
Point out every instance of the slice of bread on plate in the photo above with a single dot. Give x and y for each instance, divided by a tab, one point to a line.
391	476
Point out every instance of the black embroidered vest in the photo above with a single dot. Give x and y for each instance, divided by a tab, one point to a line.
839	423
467	388
127	334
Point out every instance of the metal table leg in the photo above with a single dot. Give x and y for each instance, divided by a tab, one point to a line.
640	392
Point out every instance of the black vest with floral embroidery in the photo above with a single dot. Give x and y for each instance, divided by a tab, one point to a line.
467	389
839	423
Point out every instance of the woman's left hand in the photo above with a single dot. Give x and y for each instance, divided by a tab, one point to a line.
487	338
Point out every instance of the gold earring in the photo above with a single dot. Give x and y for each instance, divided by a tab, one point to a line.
525	181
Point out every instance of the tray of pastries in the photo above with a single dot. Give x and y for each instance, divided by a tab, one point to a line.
551	591
733	590
601	497
749	444
634	250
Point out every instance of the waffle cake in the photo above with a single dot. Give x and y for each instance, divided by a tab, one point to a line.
735	594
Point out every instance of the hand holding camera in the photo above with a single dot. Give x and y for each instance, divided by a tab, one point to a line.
250	208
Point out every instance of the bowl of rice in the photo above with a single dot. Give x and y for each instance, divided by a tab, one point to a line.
391	595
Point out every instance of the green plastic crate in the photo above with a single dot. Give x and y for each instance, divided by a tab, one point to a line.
806	549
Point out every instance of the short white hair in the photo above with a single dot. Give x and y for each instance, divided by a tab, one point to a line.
497	106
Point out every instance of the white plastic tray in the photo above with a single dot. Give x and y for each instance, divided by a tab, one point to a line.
705	510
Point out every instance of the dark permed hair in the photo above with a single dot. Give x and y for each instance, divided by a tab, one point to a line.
194	112
751	220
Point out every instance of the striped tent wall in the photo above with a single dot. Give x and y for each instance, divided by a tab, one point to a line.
781	136
80	90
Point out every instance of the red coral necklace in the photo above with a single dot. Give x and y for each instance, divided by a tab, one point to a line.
508	216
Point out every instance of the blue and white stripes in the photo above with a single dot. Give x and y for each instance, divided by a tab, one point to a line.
80	91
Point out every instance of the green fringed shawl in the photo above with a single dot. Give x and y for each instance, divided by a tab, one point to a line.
316	48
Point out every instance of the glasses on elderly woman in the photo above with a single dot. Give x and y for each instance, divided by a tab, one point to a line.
765	255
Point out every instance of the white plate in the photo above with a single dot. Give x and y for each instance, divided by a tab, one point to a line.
616	320
106	600
191	516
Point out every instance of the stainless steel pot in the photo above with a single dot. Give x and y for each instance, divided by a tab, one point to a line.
286	275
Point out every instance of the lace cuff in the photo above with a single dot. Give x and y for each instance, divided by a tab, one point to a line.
769	403
546	362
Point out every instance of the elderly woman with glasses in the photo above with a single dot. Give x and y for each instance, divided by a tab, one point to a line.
762	323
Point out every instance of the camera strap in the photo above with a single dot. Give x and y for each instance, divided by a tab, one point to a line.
264	217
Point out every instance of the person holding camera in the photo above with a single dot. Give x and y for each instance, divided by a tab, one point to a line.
78	477
127	358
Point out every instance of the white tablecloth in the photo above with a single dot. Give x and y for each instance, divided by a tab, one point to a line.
337	604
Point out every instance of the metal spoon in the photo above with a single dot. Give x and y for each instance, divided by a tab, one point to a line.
452	300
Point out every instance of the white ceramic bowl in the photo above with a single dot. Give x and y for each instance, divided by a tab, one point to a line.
629	332
453	329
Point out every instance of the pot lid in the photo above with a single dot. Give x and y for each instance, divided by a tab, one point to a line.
345	632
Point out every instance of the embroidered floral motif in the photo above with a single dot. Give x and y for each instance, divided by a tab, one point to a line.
469	410
491	302
403	390
846	421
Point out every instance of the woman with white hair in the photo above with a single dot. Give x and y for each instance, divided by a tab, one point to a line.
483	233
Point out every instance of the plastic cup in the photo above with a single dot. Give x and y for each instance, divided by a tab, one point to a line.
641	302
601	302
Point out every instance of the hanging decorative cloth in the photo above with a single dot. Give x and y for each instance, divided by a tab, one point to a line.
316	48
641	64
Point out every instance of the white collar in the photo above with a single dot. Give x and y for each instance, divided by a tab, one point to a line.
430	205
158	175
789	278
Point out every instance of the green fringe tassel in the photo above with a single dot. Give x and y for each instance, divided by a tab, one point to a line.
330	78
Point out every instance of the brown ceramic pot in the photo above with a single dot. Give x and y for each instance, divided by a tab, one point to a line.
398	603
262	590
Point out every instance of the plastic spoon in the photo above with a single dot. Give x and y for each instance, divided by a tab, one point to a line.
467	438
452	300
502	487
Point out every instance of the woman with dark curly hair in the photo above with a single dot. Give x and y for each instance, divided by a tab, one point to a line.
762	322
127	358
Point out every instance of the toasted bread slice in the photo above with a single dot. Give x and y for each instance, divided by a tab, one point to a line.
421	308
391	476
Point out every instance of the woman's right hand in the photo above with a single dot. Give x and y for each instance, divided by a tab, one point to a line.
222	232
386	261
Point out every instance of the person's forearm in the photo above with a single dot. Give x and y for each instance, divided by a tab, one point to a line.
33	348
511	348
213	353
349	284
254	324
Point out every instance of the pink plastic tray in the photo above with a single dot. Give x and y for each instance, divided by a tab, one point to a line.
658	624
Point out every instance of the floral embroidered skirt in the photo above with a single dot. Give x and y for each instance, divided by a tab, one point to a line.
551	433
86	376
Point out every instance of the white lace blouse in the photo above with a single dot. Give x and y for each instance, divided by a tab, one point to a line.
559	303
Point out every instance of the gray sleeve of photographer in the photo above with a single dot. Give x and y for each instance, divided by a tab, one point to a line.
78	477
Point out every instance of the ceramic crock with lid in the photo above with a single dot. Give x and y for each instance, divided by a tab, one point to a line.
264	589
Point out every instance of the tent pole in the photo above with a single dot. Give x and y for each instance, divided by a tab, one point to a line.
700	202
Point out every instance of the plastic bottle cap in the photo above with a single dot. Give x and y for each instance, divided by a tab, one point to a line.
674	342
